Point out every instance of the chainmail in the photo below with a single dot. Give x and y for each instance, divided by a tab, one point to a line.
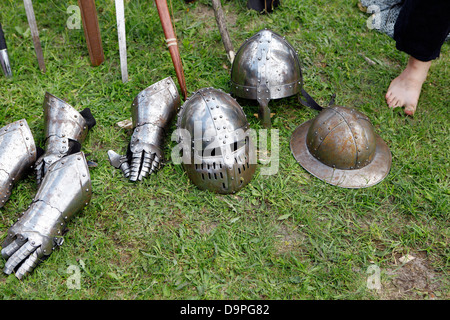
384	14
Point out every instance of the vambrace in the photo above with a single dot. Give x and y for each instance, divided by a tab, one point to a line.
65	131
152	112
64	191
17	154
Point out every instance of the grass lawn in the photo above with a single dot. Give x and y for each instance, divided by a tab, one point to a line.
284	236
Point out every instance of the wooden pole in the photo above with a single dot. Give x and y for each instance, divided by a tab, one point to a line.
220	18
92	31
171	40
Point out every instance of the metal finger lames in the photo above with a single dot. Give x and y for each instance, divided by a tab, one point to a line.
152	111
64	192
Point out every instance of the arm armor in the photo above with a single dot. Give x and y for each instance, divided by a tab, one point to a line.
64	191
17	154
152	112
65	131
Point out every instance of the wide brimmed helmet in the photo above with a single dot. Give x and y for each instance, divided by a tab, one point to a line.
340	146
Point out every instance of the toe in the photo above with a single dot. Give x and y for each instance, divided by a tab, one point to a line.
388	96
410	110
393	103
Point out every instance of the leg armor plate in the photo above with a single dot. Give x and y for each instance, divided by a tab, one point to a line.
17	154
65	131
152	112
64	191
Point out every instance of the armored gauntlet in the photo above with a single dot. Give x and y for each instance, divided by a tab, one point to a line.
17	155
65	131
152	111
64	191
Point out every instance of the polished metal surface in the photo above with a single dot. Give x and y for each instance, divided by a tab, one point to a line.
152	111
119	162
213	130
28	5
62	120
5	64
63	127
64	191
341	147
17	155
266	67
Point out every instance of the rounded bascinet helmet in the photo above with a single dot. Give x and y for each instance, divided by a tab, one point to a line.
217	149
266	67
340	146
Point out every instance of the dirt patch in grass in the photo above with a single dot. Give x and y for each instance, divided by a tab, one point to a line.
288	239
207	228
414	280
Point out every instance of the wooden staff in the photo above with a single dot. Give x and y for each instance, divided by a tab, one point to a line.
92	31
223	29
171	40
34	33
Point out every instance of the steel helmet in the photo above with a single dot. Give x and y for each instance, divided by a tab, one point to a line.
213	129
340	146
266	67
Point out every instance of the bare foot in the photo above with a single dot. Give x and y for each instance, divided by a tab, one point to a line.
404	91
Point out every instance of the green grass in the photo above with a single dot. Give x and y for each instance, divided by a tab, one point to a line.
286	236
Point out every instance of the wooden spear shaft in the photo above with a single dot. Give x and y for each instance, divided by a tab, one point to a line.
220	18
92	31
171	40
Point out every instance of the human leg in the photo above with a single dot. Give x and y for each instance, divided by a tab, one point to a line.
420	31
